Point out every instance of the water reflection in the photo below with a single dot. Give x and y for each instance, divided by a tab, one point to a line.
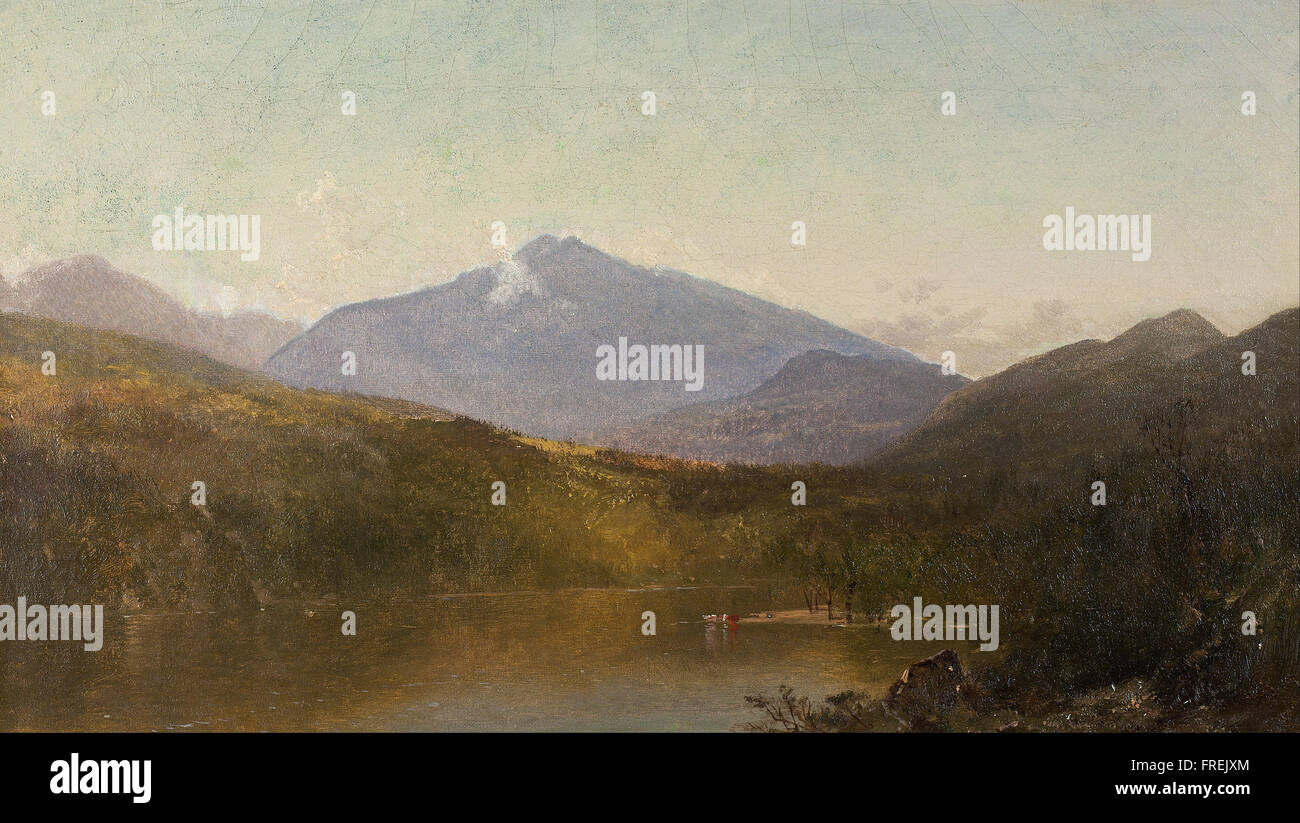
721	633
531	661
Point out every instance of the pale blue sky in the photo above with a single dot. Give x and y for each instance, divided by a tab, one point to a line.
923	231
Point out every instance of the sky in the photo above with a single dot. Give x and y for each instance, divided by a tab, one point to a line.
923	230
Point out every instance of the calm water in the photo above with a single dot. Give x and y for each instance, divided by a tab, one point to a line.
553	661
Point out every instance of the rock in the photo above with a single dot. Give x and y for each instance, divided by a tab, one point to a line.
929	690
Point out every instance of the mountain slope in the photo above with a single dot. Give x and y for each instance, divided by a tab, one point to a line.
515	343
88	291
821	407
309	493
1081	401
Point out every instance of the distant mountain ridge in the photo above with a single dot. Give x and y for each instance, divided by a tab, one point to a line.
820	407
1082	400
515	343
89	291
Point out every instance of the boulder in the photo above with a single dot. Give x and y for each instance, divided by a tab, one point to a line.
929	690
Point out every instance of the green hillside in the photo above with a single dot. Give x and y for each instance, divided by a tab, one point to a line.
1199	524
311	493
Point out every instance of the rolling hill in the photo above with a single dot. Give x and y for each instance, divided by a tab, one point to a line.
821	407
1080	401
309	493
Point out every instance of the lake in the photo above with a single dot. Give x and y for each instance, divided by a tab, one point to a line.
554	661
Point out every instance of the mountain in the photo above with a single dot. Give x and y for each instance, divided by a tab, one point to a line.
89	291
1084	400
820	407
516	343
1171	337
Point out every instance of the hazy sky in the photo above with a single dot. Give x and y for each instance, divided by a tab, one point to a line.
923	230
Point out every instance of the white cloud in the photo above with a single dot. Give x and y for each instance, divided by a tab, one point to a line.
512	280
